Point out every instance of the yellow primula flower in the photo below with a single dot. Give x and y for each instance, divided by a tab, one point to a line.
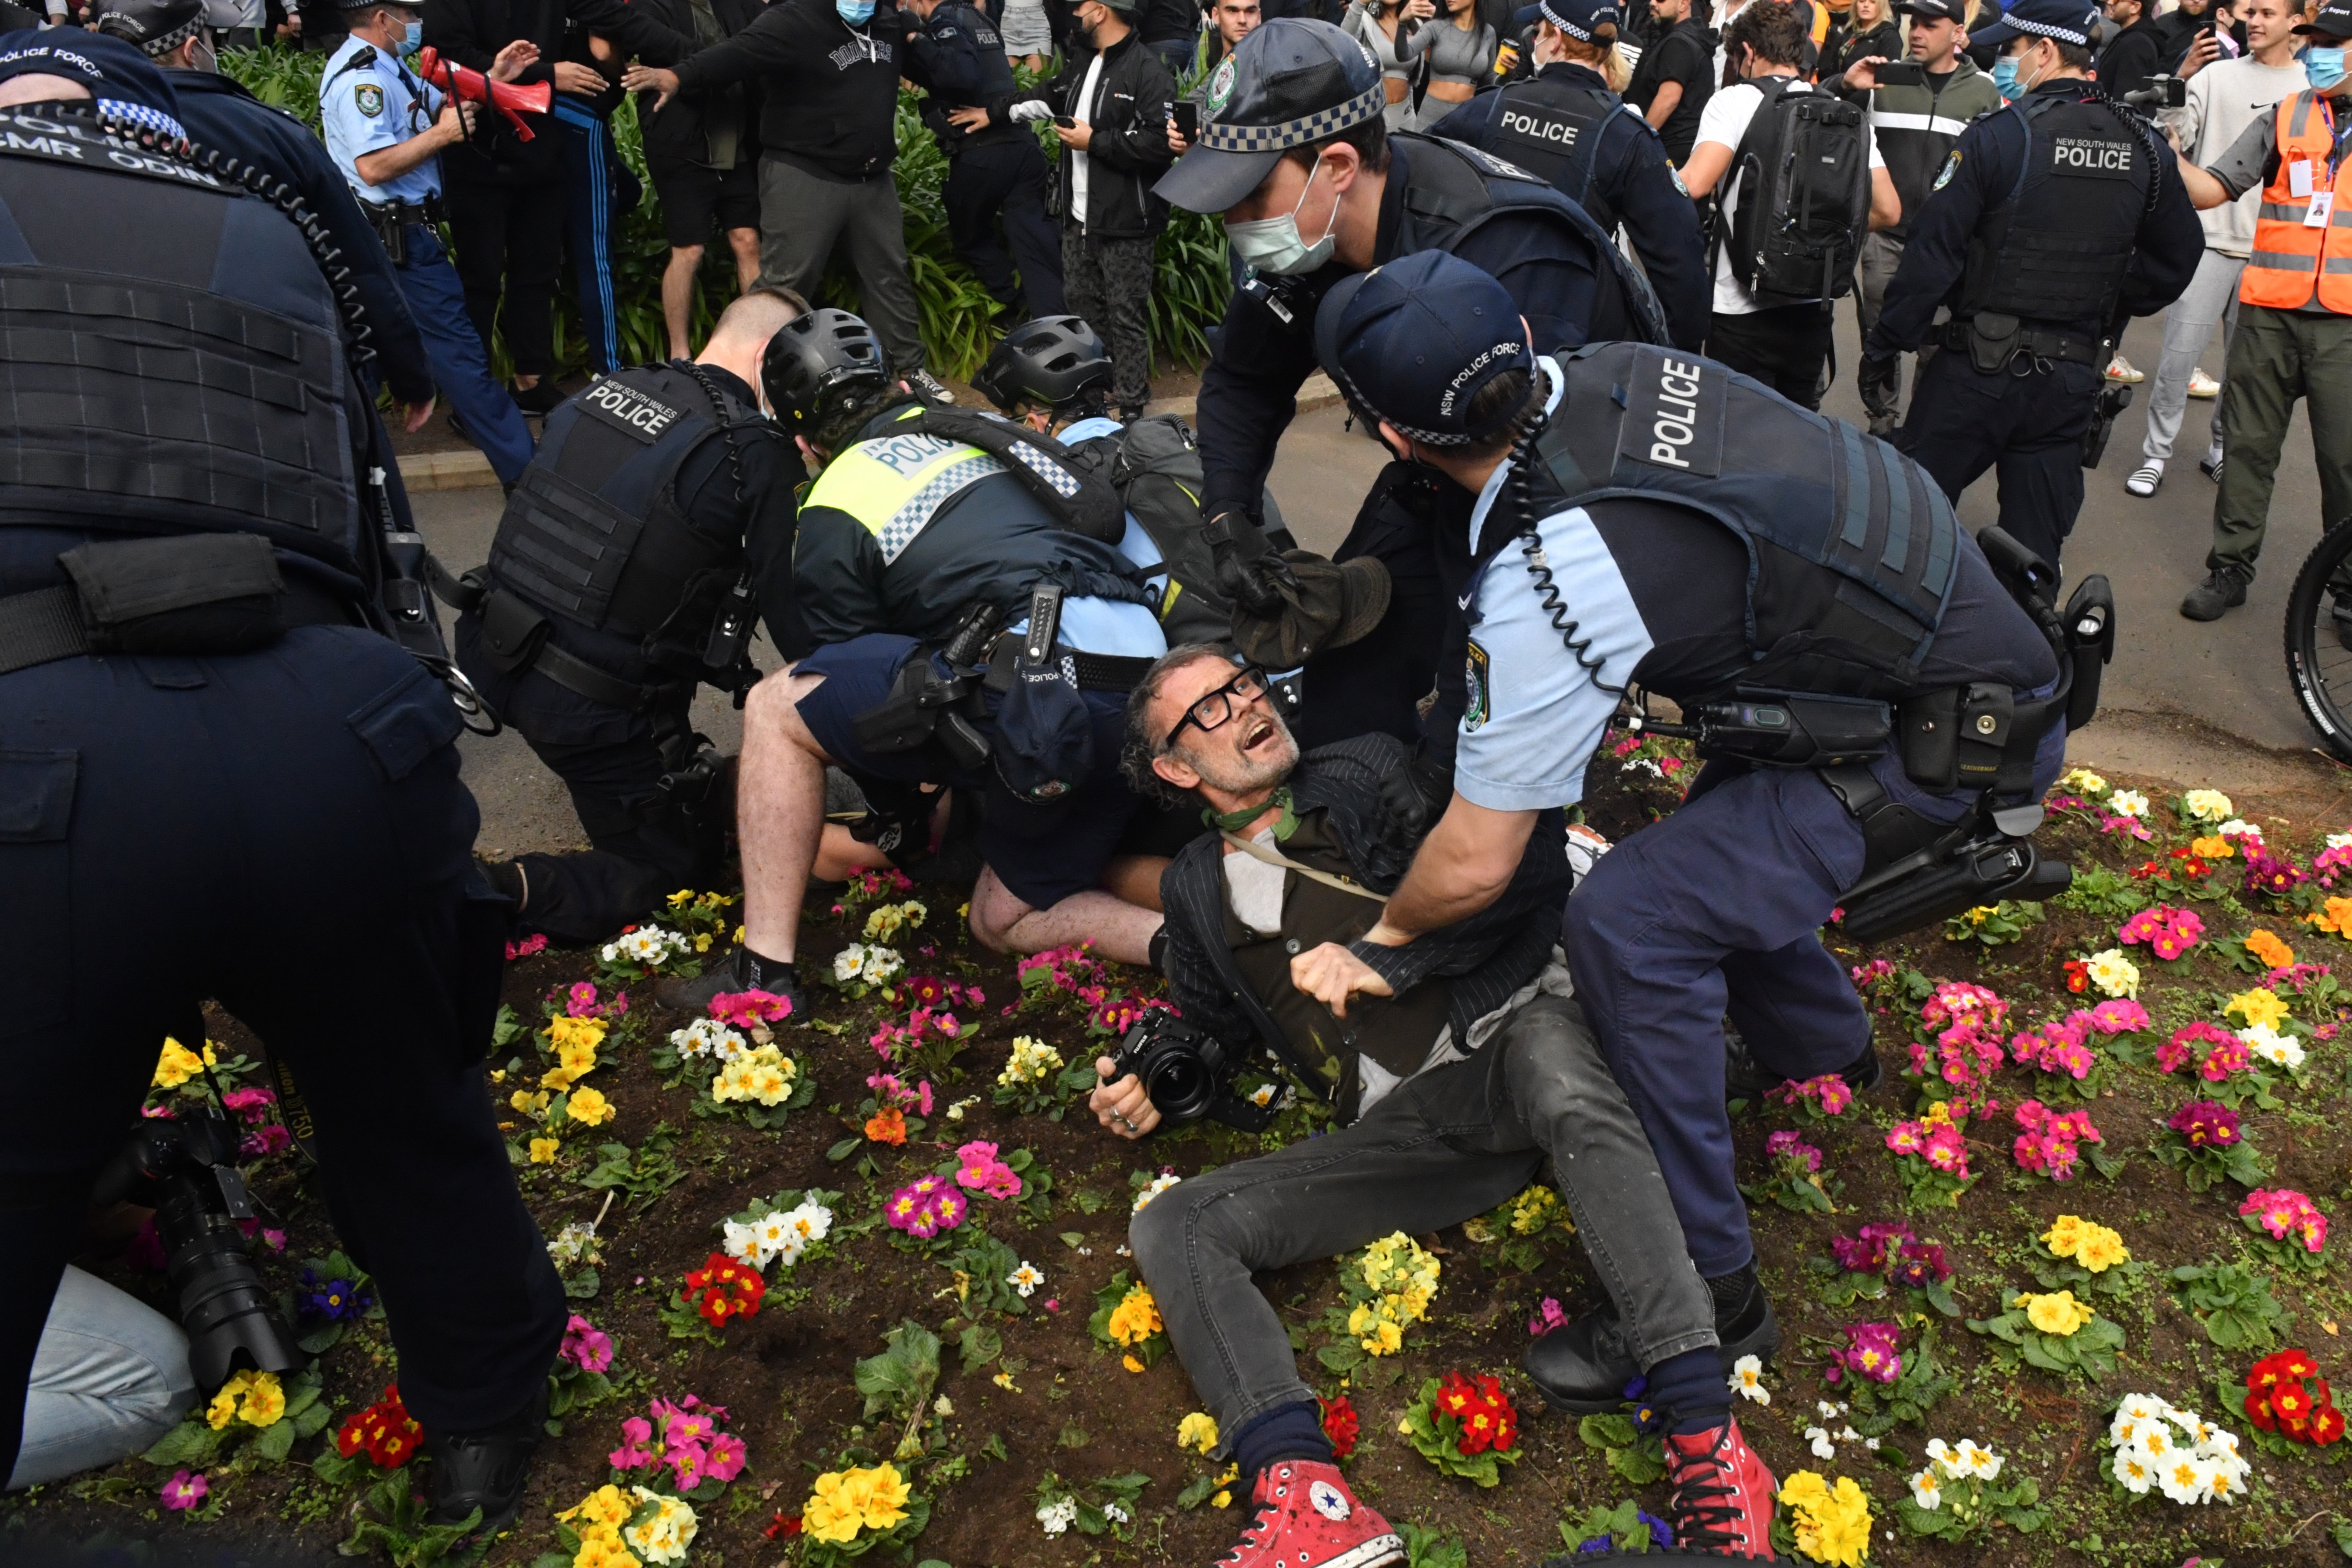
565	1029
2213	847
589	1108
603	1549
1131	1363
604	1508
830	1515
529	1104
176	1064
2258	1007
577	1057
2057	1313
1198	1432
543	1150
265	1401
1387	1339
1135	1318
2094	1247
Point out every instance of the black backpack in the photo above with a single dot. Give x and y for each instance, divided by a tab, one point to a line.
1154	463
1804	167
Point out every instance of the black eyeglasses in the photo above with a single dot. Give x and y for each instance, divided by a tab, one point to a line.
1217	707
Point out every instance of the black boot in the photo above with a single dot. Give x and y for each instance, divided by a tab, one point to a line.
1745	1078
485	1470
1584	1367
744	971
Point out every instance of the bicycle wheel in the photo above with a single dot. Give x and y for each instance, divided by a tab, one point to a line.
2319	647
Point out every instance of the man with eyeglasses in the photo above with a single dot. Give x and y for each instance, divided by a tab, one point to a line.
1453	1086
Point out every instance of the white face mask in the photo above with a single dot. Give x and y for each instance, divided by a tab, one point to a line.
1274	245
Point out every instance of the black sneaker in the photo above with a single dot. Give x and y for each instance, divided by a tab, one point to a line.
1582	1367
744	971
485	1470
2222	591
1745	1079
542	400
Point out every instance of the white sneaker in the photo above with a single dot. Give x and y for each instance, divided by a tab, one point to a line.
2202	385
928	387
2144	478
2120	370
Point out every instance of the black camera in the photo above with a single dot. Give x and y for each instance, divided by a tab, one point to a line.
2159	92
186	1168
1187	1073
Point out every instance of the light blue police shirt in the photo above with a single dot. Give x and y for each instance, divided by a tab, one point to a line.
1109	626
1535	716
368	107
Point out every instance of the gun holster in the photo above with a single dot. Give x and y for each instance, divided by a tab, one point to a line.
1993	341
2112	399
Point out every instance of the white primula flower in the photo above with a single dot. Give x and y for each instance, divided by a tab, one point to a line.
1819	1437
1982	1463
849	963
1115	1513
2185	1479
809	1220
741	1242
1157	1186
2268	1045
1747	1379
1928	1489
2127	803
1026	1278
2338	840
2135	1408
1058	1515
2135	1471
2207	805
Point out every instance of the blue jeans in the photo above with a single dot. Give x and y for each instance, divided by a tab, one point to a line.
460	364
590	160
1715	911
110	1377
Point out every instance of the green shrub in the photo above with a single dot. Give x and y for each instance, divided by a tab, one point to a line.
960	320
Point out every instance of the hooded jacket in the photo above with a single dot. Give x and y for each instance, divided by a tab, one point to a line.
829	92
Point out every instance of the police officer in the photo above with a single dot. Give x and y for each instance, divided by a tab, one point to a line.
1868	588
385	128
980	629
1296	153
2053	223
995	171
652	530
1564	124
225	782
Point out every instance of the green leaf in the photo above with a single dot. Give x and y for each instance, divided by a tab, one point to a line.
191	1444
900	1379
277	1441
979	1347
844	1149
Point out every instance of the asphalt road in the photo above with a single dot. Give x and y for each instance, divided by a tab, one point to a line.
2229	676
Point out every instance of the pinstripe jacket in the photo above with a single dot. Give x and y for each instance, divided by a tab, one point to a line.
1489	956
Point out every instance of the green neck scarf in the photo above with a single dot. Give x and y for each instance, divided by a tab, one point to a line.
1234	821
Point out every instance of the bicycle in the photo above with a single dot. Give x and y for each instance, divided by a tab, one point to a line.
2319	639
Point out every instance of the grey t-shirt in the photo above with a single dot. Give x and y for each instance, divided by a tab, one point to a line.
2252	162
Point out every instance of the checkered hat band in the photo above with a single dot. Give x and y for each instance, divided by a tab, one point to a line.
140	114
156	48
1565	25
2048	30
1222	137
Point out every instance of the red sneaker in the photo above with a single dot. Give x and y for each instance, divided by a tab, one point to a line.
1307	1518
1722	1496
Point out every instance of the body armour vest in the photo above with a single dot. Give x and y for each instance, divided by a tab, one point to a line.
2058	249
594	533
175	359
1397	1032
1452	189
1851	548
1553	129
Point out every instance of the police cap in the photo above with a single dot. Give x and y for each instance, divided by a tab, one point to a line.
820	363
1056	361
1414	341
125	83
2067	21
155	27
1580	19
1291	83
1936	10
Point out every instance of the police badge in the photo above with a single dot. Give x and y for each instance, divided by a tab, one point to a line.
1944	176
369	96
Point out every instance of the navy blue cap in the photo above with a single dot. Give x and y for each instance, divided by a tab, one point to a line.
1581	20
125	82
1413	342
1936	10
1044	744
1291	83
2067	21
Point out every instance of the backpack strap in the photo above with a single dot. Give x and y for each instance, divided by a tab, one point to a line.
1080	500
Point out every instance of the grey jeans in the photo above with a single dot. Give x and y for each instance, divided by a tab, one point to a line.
2211	295
110	1378
803	216
1873	270
1438	1149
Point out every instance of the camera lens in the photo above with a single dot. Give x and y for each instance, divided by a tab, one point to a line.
1179	1085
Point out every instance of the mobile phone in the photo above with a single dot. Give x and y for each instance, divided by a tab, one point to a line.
1065	122
1187	112
1902	73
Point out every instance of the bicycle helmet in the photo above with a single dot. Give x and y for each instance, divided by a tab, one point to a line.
819	365
1058	361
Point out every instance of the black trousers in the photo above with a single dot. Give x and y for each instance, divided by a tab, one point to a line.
508	243
644	845
993	180
1785	348
1419	529
2030	427
284	831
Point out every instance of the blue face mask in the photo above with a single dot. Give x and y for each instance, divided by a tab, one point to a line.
856	13
2004	79
412	38
2324	67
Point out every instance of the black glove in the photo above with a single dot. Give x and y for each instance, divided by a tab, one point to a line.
1412	795
1248	574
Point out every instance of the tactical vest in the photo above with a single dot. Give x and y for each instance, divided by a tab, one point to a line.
594	533
175	359
1452	190
1396	1032
1852	547
2058	249
1553	129
2291	259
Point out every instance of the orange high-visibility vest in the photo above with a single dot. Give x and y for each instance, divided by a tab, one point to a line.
2291	257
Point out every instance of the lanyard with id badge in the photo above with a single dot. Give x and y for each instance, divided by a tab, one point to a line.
2302	184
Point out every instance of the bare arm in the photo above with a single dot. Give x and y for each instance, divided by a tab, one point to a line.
1662	108
1464	865
384	167
1886	206
1707	163
2204	191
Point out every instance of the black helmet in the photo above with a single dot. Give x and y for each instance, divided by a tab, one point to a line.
1056	360
155	27
818	365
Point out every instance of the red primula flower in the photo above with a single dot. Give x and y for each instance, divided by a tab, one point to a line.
1340	1425
2078	973
2326	1425
722	1289
384	1431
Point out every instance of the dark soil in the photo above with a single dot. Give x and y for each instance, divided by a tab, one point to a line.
785	1375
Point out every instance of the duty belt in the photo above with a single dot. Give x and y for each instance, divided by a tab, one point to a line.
48	625
2033	341
517	635
1095	672
391	221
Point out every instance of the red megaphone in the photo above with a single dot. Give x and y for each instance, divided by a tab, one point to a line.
473	86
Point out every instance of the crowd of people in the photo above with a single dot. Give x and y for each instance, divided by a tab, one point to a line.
1066	652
